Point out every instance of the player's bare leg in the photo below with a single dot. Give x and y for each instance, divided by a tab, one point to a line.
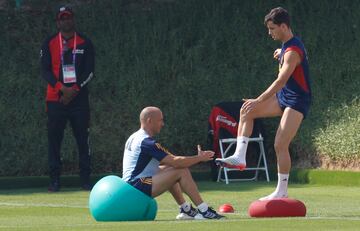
289	125
167	178
267	108
186	210
170	177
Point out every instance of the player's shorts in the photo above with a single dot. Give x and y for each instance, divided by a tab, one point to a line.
144	184
299	105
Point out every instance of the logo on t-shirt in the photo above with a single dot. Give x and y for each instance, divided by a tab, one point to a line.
159	146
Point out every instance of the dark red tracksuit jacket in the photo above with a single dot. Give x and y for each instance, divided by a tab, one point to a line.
52	70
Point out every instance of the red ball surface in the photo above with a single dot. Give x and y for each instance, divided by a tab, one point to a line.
226	208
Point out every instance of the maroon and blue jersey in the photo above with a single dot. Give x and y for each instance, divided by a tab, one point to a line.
296	93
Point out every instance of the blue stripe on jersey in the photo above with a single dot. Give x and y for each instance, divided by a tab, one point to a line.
142	156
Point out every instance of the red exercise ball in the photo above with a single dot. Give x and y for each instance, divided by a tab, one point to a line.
226	208
282	207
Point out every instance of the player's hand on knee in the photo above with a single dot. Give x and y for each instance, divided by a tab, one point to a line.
249	105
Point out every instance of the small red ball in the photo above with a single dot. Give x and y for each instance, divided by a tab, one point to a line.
226	208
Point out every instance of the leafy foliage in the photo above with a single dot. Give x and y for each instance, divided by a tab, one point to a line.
183	56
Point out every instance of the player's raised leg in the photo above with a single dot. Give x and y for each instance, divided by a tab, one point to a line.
289	125
249	112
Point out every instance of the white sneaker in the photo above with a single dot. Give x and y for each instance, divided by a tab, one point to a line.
231	162
274	195
190	215
184	216
208	214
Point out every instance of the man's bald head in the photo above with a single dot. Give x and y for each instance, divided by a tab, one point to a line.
151	120
149	113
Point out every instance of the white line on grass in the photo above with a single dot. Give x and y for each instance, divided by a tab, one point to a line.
41	205
334	218
17	204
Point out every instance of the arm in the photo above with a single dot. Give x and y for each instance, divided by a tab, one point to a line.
187	161
291	60
88	73
46	70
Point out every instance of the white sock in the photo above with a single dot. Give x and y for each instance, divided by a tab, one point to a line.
282	185
241	147
186	206
281	188
203	207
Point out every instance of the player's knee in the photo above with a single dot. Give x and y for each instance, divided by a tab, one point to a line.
280	146
184	172
245	116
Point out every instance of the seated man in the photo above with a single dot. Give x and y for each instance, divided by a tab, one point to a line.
154	170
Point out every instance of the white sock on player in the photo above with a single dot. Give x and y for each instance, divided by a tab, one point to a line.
238	159
203	207
186	206
241	147
281	188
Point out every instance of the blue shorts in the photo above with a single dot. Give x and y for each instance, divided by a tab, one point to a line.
301	106
144	184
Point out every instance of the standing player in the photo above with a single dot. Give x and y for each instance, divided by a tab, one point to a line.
154	170
289	96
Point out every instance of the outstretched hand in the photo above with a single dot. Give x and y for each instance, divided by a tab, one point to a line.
205	155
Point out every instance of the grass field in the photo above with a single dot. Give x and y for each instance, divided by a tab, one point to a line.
328	208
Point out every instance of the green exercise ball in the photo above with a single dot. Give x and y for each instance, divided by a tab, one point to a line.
112	199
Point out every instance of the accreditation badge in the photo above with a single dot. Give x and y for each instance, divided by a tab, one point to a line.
69	74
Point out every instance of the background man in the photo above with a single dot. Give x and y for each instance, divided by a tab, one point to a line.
289	96
153	170
67	63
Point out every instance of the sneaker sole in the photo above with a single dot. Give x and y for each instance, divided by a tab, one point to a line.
183	216
240	167
204	218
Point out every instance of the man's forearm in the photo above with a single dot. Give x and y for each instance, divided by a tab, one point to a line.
274	87
184	161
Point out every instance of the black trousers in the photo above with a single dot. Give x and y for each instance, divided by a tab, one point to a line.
79	118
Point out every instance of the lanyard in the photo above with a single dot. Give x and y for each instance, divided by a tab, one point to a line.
62	52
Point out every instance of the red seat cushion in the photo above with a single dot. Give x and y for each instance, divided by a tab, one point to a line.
284	207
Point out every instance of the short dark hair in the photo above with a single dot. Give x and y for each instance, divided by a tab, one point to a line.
278	15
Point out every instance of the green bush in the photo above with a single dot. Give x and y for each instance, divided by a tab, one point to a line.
340	139
183	56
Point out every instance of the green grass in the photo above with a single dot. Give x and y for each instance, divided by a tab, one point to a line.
321	177
328	208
